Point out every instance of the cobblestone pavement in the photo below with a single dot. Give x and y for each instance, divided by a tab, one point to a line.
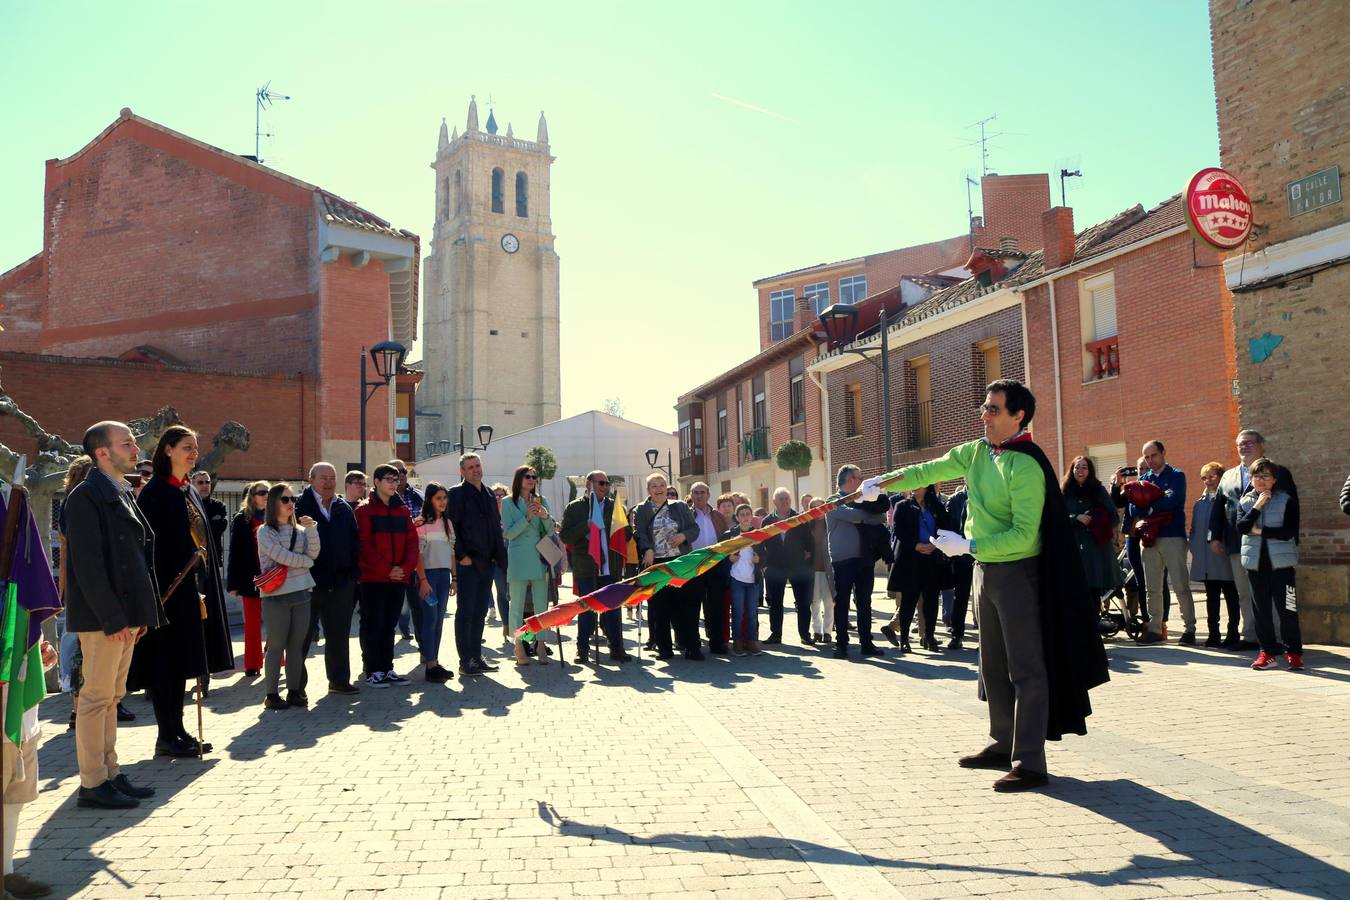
788	775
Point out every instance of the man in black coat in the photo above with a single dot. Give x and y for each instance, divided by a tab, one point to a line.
963	572
589	574
480	549
111	601
334	572
217	516
789	559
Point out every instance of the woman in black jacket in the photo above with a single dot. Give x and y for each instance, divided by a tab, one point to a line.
919	571
196	642
242	567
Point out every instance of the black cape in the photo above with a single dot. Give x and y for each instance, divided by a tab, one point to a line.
1075	659
189	646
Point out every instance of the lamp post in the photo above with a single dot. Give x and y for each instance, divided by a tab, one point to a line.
653	455
484	438
387	356
840	323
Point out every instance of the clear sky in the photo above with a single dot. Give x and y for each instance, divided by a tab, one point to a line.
699	145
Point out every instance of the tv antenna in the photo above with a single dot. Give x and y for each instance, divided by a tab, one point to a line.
1071	167
264	97
968	175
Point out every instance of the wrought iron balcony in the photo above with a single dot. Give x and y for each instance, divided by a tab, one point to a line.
755	445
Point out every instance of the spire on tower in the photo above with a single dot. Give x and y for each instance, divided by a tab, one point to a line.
491	122
543	129
472	124
510	132
444	140
454	134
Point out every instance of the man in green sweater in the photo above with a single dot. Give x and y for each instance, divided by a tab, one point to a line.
1007	493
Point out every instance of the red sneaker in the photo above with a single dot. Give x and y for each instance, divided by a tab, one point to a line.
1295	661
1264	661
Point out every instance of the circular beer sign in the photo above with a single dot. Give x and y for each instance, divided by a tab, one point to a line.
1218	208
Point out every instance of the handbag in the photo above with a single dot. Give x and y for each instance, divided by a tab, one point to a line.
550	550
270	582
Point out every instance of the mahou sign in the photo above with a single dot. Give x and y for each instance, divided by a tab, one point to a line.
1218	208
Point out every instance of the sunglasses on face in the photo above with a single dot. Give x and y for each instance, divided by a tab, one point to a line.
529	477
600	483
260	493
287	500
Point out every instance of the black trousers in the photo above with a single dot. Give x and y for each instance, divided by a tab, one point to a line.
930	594
1228	589
712	597
963	572
1273	590
610	623
853	578
332	607
381	602
803	586
167	697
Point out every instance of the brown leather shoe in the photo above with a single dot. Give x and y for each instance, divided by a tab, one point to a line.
1020	779
986	759
17	885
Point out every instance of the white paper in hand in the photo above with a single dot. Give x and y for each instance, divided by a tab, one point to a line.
950	543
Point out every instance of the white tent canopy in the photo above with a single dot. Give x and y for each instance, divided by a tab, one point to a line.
581	443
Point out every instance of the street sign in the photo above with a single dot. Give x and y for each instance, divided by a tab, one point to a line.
1314	191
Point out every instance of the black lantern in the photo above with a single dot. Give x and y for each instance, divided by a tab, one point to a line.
484	436
840	321
652	456
387	356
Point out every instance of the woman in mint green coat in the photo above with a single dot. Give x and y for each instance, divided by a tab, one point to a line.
525	519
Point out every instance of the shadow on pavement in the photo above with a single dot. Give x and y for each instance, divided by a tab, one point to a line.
1124	658
1209	845
61	852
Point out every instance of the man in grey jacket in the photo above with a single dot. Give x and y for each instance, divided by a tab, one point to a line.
853	563
111	600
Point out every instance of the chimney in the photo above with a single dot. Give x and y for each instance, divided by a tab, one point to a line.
805	315
1057	231
1007	244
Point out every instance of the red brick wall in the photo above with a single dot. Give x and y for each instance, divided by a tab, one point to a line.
1176	361
1012	206
22	290
957	384
66	396
150	239
354	312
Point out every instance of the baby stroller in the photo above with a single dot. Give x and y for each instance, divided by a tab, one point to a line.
1115	614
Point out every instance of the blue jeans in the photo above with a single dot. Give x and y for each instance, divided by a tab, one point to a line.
610	622
744	610
433	614
503	594
475	593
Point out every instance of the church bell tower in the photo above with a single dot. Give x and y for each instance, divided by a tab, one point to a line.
490	286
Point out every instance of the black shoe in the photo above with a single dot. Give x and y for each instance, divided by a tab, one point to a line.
178	747
826	639
342	688
123	784
124	714
439	674
905	647
72	719
695	655
1020	779
483	665
1212	640
530	649
1188	639
889	634
841	653
986	759
583	656
873	651
105	796
469	668
252	673
955	644
619	656
808	639
774	639
1248	645
649	646
665	654
1232	642
297	698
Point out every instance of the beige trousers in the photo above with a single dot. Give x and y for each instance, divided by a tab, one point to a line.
106	662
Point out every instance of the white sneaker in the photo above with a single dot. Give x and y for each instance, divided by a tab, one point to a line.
392	677
376	680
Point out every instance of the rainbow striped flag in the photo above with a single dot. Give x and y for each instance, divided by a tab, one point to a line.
30	598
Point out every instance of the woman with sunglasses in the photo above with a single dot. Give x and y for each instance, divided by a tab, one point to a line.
525	521
293	545
242	567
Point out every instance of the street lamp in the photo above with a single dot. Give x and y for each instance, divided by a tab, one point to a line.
484	438
653	455
387	357
840	323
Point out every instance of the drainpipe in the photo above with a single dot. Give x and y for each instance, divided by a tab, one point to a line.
817	377
1054	354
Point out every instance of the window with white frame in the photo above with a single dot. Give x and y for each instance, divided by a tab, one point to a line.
1097	318
818	294
780	314
852	289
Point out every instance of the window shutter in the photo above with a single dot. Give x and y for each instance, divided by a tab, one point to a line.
1104	311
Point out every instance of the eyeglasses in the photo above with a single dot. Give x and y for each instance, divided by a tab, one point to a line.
530	477
1264	476
599	483
287	500
388	478
990	409
260	493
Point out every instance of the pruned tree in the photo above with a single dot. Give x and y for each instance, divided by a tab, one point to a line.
613	406
542	460
795	457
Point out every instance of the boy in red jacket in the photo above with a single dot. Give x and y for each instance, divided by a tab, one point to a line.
389	558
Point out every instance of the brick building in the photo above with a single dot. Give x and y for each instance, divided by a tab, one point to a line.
240	280
1282	85
731	426
1130	281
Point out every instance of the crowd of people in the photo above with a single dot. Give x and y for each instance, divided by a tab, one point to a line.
145	574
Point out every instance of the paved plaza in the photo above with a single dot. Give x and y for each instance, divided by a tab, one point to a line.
789	775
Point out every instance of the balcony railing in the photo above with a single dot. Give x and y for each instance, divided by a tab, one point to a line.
1105	356
755	445
692	465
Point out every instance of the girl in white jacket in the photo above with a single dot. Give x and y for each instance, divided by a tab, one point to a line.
282	541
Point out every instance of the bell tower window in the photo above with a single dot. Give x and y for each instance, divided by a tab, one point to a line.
459	193
522	195
498	191
445	200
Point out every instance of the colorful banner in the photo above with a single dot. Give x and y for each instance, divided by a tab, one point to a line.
675	572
